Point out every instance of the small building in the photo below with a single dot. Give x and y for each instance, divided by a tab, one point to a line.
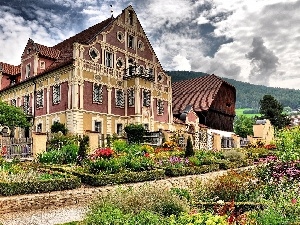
263	131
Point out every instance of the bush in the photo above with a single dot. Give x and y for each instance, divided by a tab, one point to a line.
66	155
184	171
189	151
83	148
58	141
59	127
135	133
234	156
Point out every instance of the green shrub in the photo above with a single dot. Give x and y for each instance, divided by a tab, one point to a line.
102	165
83	148
120	146
66	155
189	151
135	133
58	141
59	127
234	155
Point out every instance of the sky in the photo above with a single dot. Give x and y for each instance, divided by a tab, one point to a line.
255	41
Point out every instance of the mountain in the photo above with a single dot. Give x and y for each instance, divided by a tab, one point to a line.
248	95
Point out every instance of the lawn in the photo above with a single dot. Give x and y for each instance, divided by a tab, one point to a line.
240	112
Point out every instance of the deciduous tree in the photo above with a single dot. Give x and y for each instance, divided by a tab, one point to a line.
243	126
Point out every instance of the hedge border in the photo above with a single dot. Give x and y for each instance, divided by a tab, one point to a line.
120	178
42	186
192	170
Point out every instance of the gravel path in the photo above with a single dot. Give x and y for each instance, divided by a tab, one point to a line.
45	217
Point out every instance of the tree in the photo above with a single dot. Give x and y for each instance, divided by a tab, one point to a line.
243	126
57	126
12	117
189	151
272	109
135	133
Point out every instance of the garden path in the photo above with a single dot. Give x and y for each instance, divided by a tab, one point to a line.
57	215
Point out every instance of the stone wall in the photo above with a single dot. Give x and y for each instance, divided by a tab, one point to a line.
85	195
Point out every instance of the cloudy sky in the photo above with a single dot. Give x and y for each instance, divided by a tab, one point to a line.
256	41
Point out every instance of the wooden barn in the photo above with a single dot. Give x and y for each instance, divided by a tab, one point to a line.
211	98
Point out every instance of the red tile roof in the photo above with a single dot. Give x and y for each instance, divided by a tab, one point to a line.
47	51
66	47
9	69
198	92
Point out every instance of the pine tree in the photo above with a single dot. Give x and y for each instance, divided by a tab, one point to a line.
189	151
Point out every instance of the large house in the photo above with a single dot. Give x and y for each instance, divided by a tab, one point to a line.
98	80
108	76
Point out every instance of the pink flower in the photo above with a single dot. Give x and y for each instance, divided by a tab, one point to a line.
294	201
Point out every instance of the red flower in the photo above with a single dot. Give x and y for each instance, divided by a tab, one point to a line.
147	154
294	201
102	153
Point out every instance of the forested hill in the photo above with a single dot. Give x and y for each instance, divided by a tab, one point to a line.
248	95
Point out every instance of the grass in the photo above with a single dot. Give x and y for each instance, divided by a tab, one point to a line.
240	112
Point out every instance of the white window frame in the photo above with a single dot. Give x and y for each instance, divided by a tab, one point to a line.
131	41
27	70
58	87
109	59
119	131
97	128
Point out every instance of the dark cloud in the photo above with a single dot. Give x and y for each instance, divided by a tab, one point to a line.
263	61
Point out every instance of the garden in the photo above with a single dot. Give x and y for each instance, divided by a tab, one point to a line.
267	193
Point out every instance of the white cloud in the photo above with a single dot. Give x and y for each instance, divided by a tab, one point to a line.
180	62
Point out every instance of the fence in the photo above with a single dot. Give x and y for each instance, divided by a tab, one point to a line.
16	147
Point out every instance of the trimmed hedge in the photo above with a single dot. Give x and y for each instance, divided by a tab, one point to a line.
184	171
120	178
33	187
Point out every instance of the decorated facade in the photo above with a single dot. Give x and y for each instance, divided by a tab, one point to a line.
99	80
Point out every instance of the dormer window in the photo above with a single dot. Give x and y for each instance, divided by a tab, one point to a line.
27	71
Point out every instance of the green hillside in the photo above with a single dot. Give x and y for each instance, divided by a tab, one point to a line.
248	95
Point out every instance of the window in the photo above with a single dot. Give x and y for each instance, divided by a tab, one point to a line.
98	126
39	98
131	41
39	127
97	93
130	17
160	107
150	72
108	59
141	45
56	94
141	70
26	107
146	126
27	71
120	98
130	93
119	129
146	98
13	102
94	54
42	65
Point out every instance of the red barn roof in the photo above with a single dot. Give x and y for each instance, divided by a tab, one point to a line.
198	92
